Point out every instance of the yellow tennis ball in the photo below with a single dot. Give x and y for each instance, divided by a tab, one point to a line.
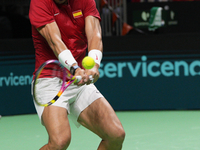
88	62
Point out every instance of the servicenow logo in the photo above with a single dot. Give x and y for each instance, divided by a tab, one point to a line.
14	80
150	69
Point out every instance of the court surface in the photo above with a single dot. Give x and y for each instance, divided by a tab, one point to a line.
145	130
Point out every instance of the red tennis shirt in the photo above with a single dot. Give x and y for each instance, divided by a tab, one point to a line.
71	22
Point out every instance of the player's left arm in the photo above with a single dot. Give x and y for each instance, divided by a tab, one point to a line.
95	45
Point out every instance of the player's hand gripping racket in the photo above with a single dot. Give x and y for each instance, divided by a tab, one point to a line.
54	69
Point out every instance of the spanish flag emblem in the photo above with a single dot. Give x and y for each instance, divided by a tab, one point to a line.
77	14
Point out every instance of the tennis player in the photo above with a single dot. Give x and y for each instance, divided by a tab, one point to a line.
63	30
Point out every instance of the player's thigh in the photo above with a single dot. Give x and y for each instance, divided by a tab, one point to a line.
100	118
56	121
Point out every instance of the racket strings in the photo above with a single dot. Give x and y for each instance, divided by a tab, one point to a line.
48	84
54	80
51	71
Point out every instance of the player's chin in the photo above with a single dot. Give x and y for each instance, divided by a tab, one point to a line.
60	1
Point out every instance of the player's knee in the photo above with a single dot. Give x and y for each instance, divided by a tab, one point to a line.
61	143
117	136
120	135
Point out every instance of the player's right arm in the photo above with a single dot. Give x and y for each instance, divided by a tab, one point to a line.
41	18
52	35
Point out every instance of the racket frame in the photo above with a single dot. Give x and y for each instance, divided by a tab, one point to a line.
66	74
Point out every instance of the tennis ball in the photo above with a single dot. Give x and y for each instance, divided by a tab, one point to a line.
88	62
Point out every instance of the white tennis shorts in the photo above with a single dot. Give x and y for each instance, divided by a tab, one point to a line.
75	98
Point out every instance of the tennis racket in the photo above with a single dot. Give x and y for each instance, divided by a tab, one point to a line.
53	69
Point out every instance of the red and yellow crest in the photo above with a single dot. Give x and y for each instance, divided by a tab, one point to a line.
77	14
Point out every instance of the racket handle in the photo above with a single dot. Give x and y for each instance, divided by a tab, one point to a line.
78	78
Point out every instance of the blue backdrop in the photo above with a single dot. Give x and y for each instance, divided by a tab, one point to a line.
154	72
145	82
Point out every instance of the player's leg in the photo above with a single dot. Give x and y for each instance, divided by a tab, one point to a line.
100	118
56	122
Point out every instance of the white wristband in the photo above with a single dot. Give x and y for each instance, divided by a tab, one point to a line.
66	59
96	55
